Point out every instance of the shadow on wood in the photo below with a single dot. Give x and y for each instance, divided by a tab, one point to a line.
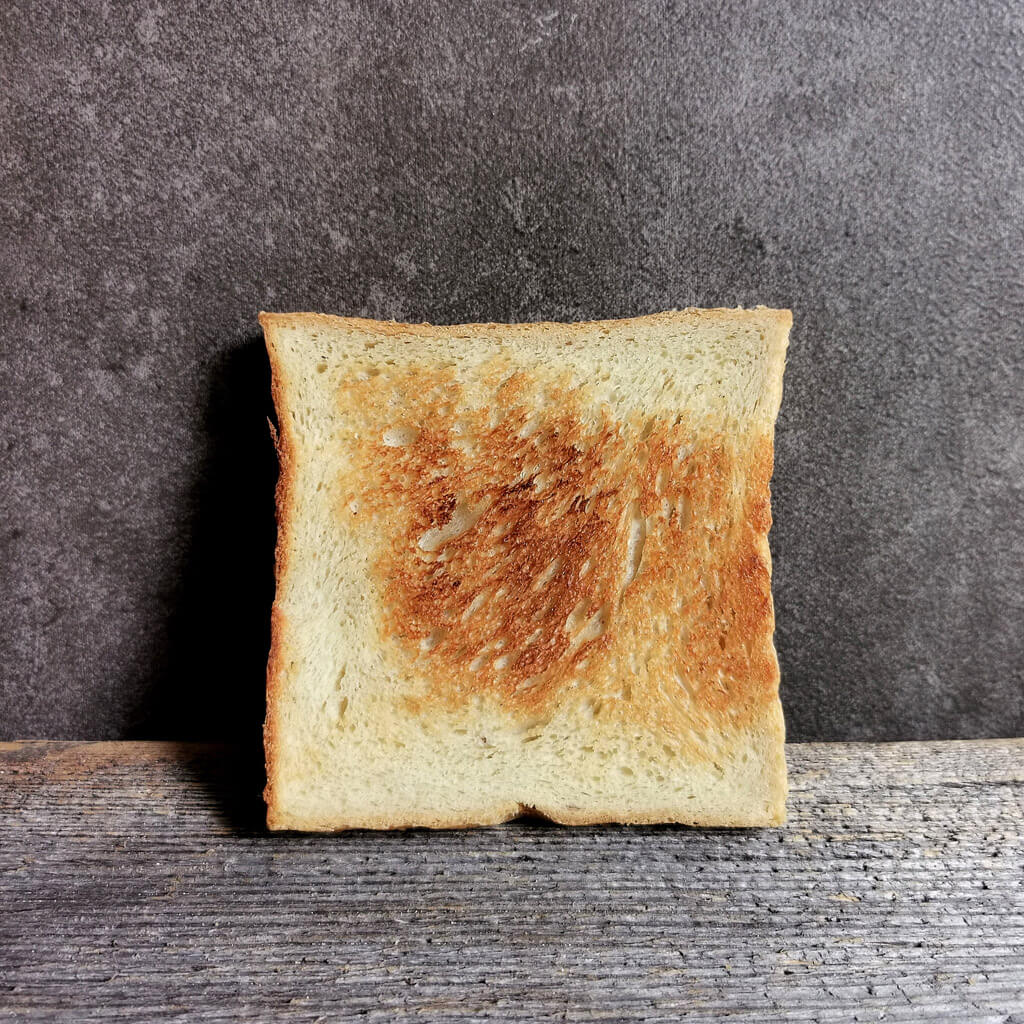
209	670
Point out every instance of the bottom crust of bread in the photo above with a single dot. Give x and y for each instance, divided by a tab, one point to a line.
282	821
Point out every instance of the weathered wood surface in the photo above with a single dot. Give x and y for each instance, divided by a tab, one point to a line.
136	883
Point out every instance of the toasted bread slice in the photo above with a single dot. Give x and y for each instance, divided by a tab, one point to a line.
525	569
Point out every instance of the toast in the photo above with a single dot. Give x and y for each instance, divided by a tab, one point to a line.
525	569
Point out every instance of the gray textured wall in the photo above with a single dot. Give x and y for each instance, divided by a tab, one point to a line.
169	170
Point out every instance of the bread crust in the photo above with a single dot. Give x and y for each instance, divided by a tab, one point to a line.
777	319
284	446
487	817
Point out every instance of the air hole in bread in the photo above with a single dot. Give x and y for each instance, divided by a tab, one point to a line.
533	637
576	617
476	604
397	436
684	512
685	684
529	428
547	575
500	529
594	627
433	638
635	545
463	519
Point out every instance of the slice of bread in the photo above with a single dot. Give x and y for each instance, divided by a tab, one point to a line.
525	569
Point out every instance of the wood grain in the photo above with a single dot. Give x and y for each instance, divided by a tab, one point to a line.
136	883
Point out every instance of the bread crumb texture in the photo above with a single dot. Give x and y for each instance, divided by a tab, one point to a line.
525	567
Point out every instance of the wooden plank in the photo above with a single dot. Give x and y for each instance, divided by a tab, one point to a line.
136	882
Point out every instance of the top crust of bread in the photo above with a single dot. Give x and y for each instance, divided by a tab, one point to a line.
551	531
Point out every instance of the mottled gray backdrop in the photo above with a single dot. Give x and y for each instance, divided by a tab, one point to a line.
170	168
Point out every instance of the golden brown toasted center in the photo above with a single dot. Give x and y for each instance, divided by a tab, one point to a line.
527	540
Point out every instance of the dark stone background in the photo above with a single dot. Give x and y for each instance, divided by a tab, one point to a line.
168	170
